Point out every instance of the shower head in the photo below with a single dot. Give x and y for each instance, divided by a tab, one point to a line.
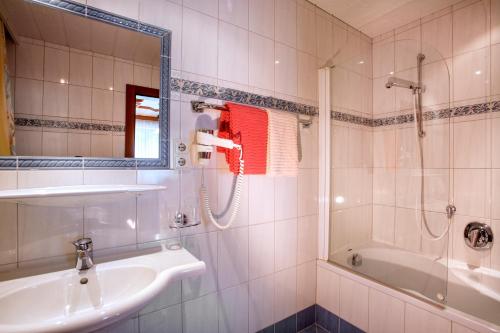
401	83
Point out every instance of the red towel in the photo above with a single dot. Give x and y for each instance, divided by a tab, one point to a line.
247	126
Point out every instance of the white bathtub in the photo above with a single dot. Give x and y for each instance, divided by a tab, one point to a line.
472	293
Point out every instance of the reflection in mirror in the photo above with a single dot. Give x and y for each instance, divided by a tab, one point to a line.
142	134
68	76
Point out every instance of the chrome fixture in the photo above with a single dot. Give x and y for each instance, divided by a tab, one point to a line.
417	89
478	236
84	254
199	107
357	259
400	83
450	211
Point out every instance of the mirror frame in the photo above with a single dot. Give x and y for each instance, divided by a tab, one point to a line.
163	162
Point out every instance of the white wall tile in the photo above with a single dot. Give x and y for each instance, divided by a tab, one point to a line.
234	12
386	313
307	238
354	303
168	320
286	22
306	285
142	76
383	58
307	76
261	17
47	178
109	177
233	309
261	250
199	33
233	53
123	74
261	303
306	29
208	7
495	69
51	235
437	38
469	28
418	320
28	143
80	102
102	72
285	194
457	328
111	225
307	192
200	315
384	186
285	69
407	234
470	75
328	290
101	145
56	65
383	223
168	15
29	61
471	191
55	99
261	199
80	69
384	148
54	143
28	96
285	293
285	247
261	62
232	257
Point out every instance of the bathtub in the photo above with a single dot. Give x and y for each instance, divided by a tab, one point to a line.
452	287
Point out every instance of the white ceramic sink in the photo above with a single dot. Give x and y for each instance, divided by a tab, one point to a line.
59	302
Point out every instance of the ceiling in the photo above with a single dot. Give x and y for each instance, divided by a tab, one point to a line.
63	28
375	17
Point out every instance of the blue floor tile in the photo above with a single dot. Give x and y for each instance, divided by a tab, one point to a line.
346	327
327	320
305	318
287	325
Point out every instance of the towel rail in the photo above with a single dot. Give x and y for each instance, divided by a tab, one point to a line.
199	107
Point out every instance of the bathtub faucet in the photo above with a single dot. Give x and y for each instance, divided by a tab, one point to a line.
478	235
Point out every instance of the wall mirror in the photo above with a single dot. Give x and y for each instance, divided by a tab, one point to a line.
82	87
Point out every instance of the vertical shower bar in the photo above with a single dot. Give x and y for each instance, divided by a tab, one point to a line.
418	91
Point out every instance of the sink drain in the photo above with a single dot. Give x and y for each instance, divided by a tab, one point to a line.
84	280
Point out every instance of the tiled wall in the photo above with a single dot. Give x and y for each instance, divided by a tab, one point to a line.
54	82
462	49
261	270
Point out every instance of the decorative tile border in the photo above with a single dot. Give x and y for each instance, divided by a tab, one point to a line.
459	111
239	96
75	125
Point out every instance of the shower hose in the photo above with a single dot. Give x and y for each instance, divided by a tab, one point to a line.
233	201
432	237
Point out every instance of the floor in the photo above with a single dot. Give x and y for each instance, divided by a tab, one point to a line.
314	329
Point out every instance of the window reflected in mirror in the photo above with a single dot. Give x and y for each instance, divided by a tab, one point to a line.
142	134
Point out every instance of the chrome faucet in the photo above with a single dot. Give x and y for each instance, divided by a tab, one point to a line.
84	254
478	235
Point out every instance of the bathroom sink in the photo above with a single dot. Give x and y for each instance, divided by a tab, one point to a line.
72	301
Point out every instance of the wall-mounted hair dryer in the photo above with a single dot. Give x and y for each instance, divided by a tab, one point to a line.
205	141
